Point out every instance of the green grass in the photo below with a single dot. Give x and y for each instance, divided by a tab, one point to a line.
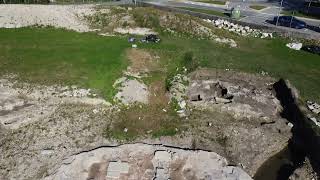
206	11
257	7
56	56
50	56
298	14
254	56
212	2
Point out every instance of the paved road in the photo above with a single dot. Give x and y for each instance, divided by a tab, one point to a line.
252	16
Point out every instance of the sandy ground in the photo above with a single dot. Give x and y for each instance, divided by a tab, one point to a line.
62	16
21	106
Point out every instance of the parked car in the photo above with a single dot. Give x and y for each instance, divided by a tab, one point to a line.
289	21
312	49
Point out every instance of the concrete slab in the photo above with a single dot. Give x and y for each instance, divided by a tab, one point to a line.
116	168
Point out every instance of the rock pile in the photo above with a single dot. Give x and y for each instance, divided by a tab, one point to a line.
295	46
178	90
238	29
313	107
315	120
183	25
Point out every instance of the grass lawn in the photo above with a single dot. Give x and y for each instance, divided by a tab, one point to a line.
298	14
206	11
49	56
257	7
212	2
59	56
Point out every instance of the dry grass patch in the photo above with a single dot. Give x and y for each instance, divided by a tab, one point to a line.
141	61
156	119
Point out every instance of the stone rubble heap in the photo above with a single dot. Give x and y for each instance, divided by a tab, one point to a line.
178	90
238	29
295	46
315	120
313	107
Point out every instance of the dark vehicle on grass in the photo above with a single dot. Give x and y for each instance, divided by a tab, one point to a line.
289	21
312	49
152	38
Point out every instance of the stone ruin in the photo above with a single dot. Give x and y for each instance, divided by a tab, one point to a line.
240	94
210	91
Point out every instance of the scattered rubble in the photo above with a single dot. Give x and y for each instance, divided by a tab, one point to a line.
313	107
143	161
136	31
295	46
315	120
21	106
231	42
178	91
238	29
134	46
229	93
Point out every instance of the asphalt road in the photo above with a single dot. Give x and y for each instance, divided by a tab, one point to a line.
251	16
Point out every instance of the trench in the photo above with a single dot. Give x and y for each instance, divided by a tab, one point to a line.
303	144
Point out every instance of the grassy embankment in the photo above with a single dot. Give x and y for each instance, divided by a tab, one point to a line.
50	56
298	14
206	11
212	2
257	7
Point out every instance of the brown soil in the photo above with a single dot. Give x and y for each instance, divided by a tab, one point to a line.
158	94
141	61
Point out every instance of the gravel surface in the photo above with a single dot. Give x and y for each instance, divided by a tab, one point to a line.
61	16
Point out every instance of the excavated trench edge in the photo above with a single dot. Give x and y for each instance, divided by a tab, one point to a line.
304	142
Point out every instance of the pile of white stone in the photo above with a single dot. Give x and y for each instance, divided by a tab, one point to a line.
239	29
295	46
315	121
313	107
178	90
74	91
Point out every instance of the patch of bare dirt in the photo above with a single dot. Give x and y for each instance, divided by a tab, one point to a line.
141	61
